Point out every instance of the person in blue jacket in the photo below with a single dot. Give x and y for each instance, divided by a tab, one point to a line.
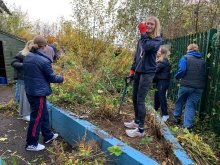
162	79
192	74
143	70
38	74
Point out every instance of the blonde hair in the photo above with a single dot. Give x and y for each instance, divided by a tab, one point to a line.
26	50
193	47
157	29
165	52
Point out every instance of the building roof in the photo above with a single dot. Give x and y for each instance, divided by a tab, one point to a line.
12	36
3	8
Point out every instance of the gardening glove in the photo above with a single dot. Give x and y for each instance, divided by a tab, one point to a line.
130	77
142	27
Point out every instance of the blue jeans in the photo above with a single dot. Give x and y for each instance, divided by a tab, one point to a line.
141	86
160	99
190	98
17	91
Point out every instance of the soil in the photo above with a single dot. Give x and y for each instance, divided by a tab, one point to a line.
157	149
13	134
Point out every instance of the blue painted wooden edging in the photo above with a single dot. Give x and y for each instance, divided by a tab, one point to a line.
178	151
73	130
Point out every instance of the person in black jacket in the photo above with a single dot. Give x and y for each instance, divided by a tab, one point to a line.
143	70
162	78
17	64
38	74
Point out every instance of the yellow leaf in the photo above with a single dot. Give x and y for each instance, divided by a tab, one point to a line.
3	139
208	55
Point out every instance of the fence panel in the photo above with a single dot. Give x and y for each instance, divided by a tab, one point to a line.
209	45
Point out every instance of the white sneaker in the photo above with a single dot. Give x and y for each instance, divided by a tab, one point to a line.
131	124
39	147
134	133
55	135
26	118
165	118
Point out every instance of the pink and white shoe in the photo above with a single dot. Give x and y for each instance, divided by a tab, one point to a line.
134	133
131	124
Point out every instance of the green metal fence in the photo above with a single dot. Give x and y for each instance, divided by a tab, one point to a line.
209	45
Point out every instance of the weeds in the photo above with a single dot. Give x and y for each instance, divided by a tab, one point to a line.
197	149
82	154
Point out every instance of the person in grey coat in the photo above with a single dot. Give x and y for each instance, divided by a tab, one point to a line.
17	64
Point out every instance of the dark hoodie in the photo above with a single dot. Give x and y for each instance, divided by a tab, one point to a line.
163	70
147	47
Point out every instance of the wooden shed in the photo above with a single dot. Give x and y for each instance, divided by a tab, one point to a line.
10	45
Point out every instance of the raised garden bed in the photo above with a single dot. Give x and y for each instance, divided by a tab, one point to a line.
73	129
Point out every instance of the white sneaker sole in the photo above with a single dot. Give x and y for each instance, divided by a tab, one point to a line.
54	137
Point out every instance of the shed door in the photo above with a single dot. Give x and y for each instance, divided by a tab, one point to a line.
2	62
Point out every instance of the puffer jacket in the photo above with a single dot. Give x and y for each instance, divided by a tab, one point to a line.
147	47
163	70
17	64
38	74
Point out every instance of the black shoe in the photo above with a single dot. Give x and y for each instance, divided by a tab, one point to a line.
176	119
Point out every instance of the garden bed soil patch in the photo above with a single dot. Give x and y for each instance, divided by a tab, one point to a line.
157	149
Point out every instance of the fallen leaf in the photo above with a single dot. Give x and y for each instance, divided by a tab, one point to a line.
2	139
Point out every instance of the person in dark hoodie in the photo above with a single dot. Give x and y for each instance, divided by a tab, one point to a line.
38	74
143	70
162	78
192	72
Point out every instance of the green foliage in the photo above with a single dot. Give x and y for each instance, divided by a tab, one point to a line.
17	23
197	149
85	153
115	150
187	17
146	140
13	161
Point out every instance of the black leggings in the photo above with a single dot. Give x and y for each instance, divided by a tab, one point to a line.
141	86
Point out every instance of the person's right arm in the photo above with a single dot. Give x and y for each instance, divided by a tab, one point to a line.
50	75
182	68
133	66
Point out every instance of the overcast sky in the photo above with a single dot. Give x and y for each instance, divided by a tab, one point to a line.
45	10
